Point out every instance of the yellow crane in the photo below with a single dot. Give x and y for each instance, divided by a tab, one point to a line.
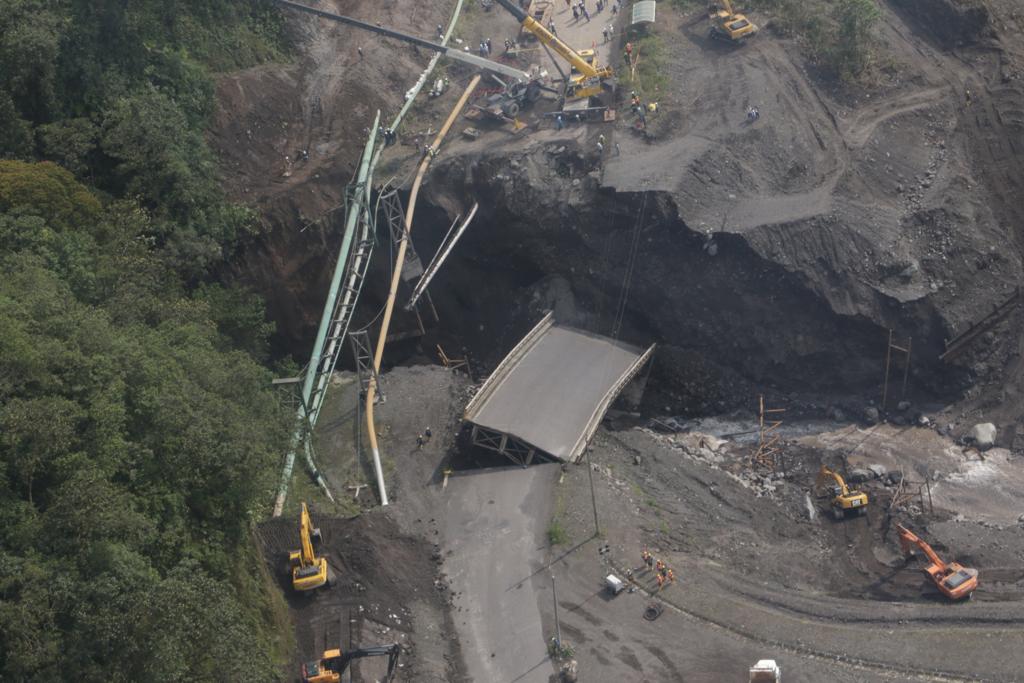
586	78
309	572
727	25
844	500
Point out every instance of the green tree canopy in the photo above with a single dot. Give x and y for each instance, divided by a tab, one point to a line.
139	437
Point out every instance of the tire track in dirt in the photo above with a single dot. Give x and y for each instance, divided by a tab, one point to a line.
974	75
857	131
814	626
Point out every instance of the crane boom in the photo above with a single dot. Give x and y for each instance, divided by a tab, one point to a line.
458	55
546	37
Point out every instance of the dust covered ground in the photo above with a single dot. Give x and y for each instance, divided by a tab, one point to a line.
770	257
322	104
386	591
760	562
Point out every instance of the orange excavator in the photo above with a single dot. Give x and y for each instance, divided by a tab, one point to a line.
954	580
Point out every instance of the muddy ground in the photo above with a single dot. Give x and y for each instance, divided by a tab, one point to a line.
752	562
763	569
784	250
389	589
321	103
767	258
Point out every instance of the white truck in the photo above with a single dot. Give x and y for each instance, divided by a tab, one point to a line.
765	671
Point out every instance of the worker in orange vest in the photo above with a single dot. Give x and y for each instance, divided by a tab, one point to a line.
661	581
671	576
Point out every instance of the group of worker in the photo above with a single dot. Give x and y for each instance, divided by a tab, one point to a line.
641	110
389	135
601	143
663	574
424	438
485	48
579	8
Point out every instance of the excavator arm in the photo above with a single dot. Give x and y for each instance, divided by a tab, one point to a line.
554	42
909	539
335	663
305	531
827	473
391	651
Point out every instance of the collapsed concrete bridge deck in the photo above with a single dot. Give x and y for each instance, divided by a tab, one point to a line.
551	392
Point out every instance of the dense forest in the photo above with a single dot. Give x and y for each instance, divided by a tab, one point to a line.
139	437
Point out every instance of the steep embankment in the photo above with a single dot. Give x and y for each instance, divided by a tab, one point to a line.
289	136
549	236
782	250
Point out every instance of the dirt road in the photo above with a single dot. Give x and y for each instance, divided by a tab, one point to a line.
614	642
758	578
495	525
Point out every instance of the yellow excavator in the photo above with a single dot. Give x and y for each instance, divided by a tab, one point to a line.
309	572
330	667
727	25
586	78
844	500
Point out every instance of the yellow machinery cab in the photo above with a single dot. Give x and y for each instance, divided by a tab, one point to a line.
727	25
844	500
309	572
580	85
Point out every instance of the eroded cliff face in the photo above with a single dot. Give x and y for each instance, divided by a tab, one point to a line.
778	254
727	316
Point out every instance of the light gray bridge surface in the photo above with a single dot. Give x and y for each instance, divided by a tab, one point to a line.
553	389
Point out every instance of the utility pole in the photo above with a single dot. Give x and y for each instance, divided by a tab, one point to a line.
558	628
593	497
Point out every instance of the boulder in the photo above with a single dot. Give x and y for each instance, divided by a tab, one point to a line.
859	476
871	415
877	470
983	435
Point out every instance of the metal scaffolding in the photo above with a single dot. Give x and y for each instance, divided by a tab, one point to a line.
346	283
350	269
769	452
888	364
442	253
516	450
363	354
